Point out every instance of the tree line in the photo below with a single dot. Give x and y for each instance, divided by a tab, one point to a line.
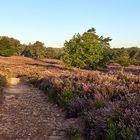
10	46
87	50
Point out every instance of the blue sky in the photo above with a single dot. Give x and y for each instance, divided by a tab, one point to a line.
54	21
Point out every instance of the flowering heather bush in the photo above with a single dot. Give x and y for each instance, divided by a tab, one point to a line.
99	97
125	116
109	102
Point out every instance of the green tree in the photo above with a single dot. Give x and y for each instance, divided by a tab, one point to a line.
9	46
36	50
56	53
7	51
86	50
121	56
134	54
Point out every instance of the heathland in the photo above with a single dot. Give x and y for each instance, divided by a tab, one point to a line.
86	90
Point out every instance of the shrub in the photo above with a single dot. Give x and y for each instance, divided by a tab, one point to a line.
7	50
64	98
99	97
120	133
73	134
111	131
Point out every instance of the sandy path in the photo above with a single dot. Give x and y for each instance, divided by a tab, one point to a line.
26	114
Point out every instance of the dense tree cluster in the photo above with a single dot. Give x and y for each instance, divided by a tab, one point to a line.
125	56
56	53
119	55
134	54
36	50
10	46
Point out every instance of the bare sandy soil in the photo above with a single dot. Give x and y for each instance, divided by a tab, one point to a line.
26	114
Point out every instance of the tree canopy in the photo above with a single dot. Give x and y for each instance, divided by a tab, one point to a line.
86	50
9	46
35	50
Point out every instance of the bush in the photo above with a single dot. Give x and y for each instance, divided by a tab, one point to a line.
64	98
111	131
7	51
73	134
99	97
120	133
124	61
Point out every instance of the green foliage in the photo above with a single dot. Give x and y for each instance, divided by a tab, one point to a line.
65	97
73	133
75	136
120	55
7	51
111	131
2	82
125	56
86	50
124	60
118	133
124	133
56	53
36	50
98	104
73	53
134	54
9	46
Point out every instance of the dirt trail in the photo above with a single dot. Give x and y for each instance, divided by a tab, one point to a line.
26	114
